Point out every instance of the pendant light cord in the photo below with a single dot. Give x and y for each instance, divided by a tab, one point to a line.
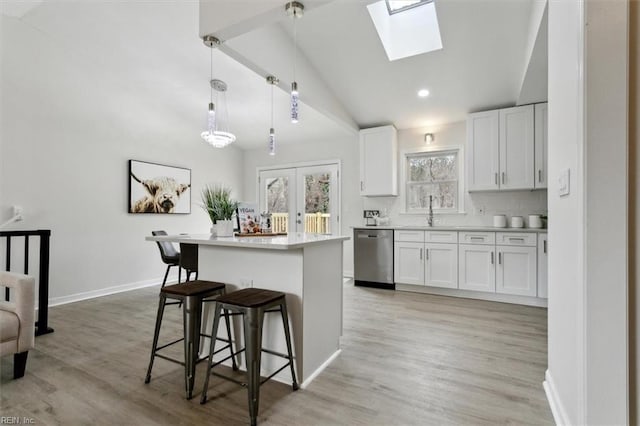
211	75
271	105
295	43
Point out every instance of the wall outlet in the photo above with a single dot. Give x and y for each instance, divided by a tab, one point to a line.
245	283
17	210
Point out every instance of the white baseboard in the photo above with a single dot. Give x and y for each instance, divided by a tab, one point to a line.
557	409
63	300
347	274
320	369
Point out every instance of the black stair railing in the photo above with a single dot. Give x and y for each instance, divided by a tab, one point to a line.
42	324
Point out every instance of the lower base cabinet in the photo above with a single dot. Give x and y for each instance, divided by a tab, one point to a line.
542	266
408	263
508	263
516	271
441	265
477	269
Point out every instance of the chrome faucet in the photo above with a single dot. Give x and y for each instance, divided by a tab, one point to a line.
430	215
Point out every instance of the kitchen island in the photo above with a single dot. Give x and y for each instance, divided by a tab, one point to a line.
307	267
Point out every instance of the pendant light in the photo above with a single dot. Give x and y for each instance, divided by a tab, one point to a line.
272	133
294	10
216	133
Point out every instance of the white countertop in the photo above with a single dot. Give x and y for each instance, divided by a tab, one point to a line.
283	242
454	228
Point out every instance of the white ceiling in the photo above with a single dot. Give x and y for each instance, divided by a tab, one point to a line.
154	46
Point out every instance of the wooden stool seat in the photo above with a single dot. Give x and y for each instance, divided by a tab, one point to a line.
251	297
193	288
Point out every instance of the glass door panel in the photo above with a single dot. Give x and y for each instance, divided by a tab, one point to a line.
277	196
317	199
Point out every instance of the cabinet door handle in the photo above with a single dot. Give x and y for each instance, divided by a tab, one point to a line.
517	239
499	258
426	252
476	238
492	260
361	186
544	246
420	254
503	177
539	175
496	178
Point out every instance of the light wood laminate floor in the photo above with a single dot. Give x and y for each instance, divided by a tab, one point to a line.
407	359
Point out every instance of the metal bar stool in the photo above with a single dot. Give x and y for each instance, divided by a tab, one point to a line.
194	294
170	256
252	303
189	259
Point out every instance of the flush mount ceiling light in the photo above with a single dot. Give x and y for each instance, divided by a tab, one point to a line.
216	133
294	10
423	93
272	81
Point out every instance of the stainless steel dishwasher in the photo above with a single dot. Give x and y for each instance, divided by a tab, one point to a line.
373	258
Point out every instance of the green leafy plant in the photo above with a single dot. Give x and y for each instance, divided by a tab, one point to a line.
217	202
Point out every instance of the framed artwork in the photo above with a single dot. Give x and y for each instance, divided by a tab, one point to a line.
156	188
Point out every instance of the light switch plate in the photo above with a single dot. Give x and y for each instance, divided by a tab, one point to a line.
564	183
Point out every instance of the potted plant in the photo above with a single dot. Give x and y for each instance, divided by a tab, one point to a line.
217	202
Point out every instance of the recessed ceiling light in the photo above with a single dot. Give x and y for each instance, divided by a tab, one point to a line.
423	93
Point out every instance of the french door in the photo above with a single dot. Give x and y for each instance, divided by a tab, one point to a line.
301	199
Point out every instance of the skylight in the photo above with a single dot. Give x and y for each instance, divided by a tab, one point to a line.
412	32
395	6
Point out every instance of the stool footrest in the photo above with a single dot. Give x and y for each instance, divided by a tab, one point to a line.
170	359
281	355
169	344
276	372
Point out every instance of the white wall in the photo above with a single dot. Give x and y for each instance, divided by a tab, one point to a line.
511	203
565	375
606	88
586	381
66	137
346	150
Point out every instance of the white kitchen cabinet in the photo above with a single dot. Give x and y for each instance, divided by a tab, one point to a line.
516	147
441	269
482	151
500	149
408	263
541	145
476	267
542	266
379	161
516	270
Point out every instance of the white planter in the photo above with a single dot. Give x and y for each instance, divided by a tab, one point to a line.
224	228
214	230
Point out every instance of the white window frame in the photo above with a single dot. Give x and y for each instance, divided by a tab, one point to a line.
435	150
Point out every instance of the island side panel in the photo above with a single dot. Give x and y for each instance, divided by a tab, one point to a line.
280	270
322	304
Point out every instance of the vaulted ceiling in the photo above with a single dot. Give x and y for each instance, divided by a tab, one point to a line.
345	78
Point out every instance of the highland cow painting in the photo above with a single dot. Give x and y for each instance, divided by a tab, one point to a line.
155	188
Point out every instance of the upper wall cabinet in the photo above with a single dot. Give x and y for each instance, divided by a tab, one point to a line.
500	148
379	161
541	144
